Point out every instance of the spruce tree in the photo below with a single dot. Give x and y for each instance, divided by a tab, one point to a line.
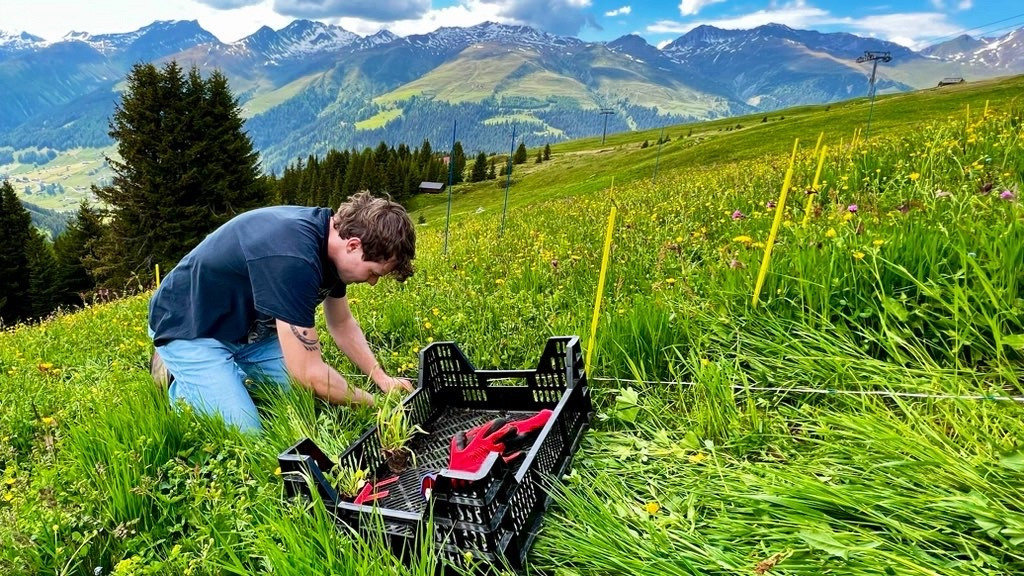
43	278
491	172
459	160
479	168
15	228
547	152
184	167
521	155
74	250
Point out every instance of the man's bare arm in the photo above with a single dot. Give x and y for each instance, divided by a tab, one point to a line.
304	360
350	339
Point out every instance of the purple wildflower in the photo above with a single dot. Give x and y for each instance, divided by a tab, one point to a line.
852	208
1007	195
738	215
770	204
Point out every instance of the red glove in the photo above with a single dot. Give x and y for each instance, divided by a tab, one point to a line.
520	435
469	449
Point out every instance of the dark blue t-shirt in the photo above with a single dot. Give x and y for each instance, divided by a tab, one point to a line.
265	264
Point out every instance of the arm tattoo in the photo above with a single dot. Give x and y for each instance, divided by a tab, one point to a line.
310	343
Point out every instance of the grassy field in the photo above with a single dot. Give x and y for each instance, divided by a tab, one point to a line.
860	419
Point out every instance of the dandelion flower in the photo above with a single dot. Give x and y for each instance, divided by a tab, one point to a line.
652	508
914	176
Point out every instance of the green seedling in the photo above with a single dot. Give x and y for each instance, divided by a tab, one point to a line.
347	480
395	431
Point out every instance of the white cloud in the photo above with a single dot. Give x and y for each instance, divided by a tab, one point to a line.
939	4
914	30
924	26
619	11
692	7
964	5
376	10
795	16
460	15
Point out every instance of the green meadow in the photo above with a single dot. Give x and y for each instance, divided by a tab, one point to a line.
862	417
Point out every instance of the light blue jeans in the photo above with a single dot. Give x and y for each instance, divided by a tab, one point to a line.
211	375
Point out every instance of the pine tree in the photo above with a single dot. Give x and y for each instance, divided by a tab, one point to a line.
15	228
547	152
491	172
184	167
540	157
521	155
479	168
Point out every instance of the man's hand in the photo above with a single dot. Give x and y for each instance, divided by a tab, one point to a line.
388	383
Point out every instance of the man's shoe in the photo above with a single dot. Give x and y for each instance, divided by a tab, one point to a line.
159	371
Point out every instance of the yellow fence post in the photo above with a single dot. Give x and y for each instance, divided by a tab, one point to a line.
814	187
780	207
600	287
156	275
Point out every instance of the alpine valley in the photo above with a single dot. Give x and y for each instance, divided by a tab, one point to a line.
310	86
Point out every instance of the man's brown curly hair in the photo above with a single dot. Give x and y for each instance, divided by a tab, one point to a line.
384	228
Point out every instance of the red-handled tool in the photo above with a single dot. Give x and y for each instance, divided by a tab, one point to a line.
369	492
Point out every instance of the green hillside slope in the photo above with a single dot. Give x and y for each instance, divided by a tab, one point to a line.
863	417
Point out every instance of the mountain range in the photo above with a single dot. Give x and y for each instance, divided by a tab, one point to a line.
311	86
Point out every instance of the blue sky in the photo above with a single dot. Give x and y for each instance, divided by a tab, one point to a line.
913	23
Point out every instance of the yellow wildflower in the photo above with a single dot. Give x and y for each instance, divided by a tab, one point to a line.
878	243
831	233
858	255
914	176
744	239
652	508
670	281
697	458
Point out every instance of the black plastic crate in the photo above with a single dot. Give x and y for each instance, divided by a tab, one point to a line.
494	514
